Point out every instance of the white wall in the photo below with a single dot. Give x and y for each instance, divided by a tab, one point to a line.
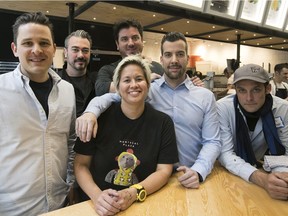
58	59
217	52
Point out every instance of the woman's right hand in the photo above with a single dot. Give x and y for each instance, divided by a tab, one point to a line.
106	203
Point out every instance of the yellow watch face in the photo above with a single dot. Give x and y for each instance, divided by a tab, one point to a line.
142	195
141	192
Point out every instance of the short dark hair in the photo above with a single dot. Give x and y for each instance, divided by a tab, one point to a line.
132	60
37	17
125	24
279	67
78	33
172	37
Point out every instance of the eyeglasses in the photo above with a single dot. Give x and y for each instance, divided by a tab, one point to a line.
76	50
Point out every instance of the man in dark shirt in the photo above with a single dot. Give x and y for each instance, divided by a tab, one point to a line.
77	53
128	35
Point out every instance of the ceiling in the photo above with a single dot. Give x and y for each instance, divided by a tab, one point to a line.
158	18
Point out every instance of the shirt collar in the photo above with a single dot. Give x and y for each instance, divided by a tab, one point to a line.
187	82
25	80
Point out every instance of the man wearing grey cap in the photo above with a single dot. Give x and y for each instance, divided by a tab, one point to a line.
254	124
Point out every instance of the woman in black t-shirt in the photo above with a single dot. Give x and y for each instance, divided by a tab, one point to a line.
135	148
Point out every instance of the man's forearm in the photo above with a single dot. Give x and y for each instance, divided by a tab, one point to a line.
99	104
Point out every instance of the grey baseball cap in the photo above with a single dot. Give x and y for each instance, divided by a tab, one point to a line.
251	72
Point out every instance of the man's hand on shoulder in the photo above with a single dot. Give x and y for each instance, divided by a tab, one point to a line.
155	76
197	81
86	126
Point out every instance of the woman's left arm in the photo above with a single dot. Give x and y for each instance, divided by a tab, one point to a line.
157	179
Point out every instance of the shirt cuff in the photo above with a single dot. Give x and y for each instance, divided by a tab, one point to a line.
200	177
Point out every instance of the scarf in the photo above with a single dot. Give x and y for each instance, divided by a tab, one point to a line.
243	142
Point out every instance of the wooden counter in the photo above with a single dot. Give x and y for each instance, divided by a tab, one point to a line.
221	194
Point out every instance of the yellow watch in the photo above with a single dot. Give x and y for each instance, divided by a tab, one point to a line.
141	192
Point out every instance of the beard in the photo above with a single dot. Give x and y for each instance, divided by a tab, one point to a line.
82	66
175	75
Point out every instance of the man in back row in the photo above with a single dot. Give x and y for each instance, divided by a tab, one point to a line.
193	110
128	36
254	124
77	52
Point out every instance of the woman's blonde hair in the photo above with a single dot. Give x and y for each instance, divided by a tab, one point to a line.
134	60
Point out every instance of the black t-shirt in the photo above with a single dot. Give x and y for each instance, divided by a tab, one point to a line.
83	88
42	91
127	151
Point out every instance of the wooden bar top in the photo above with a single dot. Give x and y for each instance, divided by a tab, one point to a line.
221	194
